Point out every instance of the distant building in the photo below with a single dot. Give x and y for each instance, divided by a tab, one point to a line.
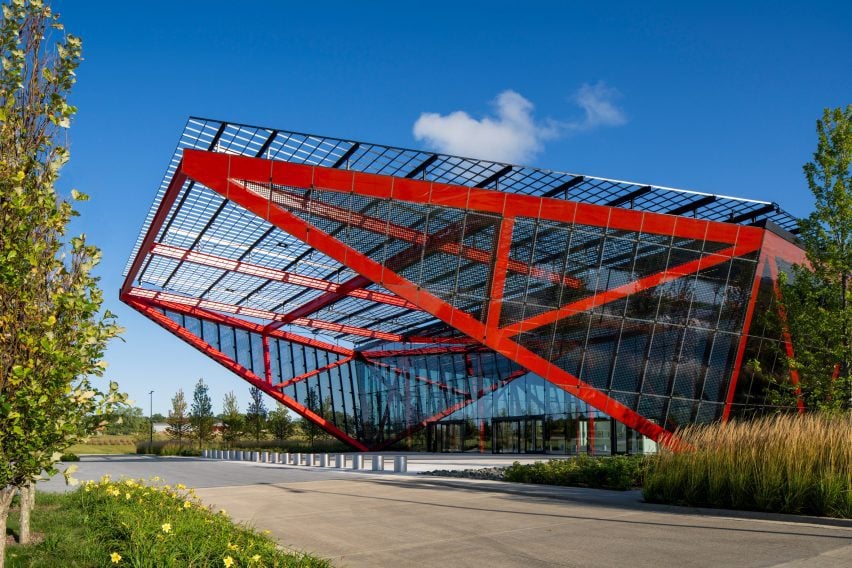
404	299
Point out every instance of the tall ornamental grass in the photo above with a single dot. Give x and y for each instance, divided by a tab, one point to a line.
800	464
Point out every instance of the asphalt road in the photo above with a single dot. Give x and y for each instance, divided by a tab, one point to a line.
360	519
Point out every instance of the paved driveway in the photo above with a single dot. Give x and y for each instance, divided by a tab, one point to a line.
392	520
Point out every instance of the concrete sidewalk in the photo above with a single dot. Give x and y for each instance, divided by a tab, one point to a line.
364	519
392	521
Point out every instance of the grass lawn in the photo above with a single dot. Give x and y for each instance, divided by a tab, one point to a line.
141	524
105	445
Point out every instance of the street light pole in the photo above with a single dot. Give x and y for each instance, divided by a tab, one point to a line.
151	422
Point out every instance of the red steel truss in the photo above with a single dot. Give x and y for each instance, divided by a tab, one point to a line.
275	192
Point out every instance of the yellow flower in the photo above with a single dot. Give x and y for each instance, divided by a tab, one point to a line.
167	527
228	561
187	504
180	486
223	512
115	557
233	546
87	489
127	496
255	558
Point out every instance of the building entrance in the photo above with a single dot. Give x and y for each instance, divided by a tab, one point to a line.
518	435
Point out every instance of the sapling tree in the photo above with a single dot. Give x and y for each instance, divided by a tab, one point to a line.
256	413
280	423
233	422
201	415
53	332
178	420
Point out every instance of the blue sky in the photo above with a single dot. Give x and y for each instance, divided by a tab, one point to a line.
720	98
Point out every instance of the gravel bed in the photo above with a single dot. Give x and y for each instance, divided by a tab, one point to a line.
492	473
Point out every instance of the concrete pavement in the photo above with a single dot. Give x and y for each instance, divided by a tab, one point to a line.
360	519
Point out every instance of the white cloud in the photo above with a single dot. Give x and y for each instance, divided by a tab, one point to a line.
597	102
513	135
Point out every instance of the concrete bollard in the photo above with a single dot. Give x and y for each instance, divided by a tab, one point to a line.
297	458
400	464
239	456
338	461
357	461
203	453
323	460
265	457
378	463
232	454
285	458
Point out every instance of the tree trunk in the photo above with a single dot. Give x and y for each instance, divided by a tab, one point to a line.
6	495
27	501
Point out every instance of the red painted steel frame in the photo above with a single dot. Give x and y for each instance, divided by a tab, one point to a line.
261	314
772	248
184	334
241	267
785	333
227	175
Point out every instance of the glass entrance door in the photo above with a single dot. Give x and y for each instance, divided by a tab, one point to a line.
518	435
534	435
507	436
446	436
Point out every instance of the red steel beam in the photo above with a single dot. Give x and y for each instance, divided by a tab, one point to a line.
379	354
214	174
738	360
292	278
184	334
786	338
261	314
238	323
384	227
219	166
650	281
178	179
503	246
304	376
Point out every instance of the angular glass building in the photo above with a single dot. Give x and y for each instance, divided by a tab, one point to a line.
405	299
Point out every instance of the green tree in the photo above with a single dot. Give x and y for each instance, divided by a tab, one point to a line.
233	422
280	424
52	331
178	420
128	420
308	427
815	300
201	415
256	413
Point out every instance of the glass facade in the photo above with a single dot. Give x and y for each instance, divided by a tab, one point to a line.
401	313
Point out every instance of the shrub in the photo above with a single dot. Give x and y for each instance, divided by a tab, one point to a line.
784	464
166	448
617	472
69	457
